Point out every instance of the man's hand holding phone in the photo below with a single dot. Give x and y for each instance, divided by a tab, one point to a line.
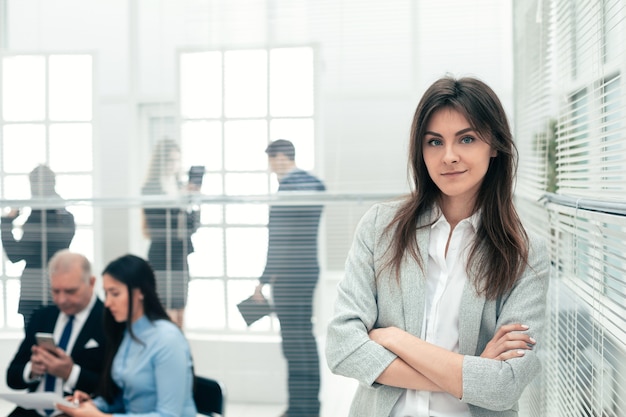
47	358
46	340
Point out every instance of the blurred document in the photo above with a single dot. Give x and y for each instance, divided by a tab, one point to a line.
36	400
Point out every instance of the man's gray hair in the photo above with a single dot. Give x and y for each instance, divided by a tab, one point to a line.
64	260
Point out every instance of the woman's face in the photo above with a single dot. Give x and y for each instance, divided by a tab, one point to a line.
456	157
116	299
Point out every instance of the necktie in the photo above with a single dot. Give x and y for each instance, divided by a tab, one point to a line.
65	337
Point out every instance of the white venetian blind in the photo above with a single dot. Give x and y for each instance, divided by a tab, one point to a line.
570	109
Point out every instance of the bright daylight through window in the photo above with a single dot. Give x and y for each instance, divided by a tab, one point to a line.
232	103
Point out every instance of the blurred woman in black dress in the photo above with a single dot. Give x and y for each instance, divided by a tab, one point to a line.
169	228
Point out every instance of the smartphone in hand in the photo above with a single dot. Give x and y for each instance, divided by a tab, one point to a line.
46	340
196	175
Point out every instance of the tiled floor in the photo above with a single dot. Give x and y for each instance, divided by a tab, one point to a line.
335	396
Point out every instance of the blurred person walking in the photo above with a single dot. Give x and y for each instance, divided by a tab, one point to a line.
292	271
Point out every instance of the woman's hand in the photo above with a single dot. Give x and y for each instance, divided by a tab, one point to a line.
384	336
86	407
508	342
192	188
79	397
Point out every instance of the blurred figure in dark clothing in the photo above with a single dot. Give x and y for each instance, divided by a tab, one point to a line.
292	270
169	229
45	232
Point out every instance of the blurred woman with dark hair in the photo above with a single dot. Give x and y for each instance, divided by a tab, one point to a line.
148	367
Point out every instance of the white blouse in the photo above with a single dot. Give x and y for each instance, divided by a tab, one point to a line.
445	278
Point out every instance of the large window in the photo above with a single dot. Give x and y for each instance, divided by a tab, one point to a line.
232	104
46	118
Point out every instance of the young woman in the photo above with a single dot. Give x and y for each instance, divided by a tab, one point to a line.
169	229
444	292
148	366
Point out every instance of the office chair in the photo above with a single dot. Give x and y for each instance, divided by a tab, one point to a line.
209	396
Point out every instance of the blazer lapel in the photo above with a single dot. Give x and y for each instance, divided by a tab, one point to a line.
413	284
50	320
470	316
93	320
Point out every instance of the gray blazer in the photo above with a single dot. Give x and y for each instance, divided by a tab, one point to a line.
490	387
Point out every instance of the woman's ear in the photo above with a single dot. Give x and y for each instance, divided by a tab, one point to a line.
137	295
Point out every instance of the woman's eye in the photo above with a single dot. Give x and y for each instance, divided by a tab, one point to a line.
434	142
467	139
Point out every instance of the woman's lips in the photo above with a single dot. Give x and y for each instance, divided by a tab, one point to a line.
453	173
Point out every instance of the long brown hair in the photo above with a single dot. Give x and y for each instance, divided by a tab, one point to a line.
499	253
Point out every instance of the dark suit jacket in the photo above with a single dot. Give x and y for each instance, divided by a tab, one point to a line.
89	359
292	230
36	247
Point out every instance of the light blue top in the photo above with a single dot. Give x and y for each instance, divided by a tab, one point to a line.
155	376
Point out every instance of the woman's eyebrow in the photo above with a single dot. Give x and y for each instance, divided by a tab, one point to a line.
460	132
467	129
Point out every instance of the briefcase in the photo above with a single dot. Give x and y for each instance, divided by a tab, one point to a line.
252	309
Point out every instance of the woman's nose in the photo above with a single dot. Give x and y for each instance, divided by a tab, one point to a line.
450	156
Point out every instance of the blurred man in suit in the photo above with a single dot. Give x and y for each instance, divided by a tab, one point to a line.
292	270
75	320
45	232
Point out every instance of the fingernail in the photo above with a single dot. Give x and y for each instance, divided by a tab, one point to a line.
521	352
525	326
533	340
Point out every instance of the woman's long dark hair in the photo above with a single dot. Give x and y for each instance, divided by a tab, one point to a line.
135	273
499	253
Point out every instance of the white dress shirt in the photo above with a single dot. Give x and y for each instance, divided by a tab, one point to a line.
446	276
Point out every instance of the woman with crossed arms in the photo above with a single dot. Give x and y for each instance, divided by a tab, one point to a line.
444	292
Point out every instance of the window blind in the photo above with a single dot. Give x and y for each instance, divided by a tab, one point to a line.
569	127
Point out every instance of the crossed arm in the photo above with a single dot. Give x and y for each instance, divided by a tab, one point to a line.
423	366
